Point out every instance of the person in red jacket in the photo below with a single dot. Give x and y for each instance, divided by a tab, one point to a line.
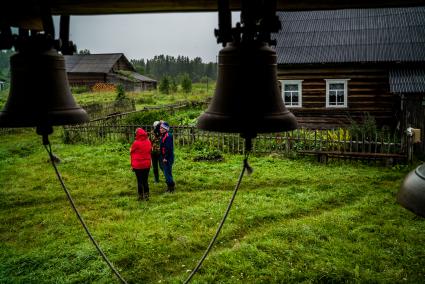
140	153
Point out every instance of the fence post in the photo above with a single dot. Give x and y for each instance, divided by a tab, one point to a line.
409	147
320	136
345	140
192	134
376	140
338	147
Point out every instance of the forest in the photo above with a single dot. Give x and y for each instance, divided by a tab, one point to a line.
166	65
158	67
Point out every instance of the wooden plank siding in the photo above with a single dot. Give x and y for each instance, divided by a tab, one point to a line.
90	79
86	79
368	92
122	64
90	69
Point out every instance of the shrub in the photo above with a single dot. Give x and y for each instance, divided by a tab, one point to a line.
186	116
366	127
208	155
203	152
120	91
146	117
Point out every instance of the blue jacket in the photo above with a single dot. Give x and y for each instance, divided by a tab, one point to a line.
166	146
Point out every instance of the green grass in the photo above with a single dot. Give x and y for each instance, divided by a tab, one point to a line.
3	97
149	98
293	221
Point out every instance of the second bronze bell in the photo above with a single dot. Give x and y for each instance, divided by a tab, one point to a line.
412	192
39	92
247	98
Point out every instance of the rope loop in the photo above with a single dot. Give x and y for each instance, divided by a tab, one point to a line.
246	167
52	157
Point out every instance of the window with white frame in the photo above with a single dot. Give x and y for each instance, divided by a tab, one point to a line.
292	92
336	93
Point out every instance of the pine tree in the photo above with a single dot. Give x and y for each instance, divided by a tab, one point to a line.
186	83
166	65
173	85
164	85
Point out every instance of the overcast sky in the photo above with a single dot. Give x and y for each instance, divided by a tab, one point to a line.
146	35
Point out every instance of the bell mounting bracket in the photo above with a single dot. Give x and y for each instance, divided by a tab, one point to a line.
258	22
34	39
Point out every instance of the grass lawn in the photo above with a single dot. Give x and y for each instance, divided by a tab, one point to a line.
200	92
293	221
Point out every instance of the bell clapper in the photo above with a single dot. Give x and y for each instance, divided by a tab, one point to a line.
44	131
248	148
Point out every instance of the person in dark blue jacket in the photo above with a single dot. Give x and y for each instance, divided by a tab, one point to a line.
166	146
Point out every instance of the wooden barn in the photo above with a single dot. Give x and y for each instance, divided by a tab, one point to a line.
340	65
113	68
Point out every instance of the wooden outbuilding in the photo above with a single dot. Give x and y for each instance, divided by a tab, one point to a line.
113	68
339	66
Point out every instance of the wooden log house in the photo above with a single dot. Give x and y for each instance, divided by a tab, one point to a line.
114	68
336	66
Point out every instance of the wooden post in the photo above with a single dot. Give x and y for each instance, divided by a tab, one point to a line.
409	145
376	141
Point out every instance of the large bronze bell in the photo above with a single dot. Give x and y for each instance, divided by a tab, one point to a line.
39	92
247	98
412	192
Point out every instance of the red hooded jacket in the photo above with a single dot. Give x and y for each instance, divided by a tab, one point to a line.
140	151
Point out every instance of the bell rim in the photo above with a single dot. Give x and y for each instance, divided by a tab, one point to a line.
418	171
59	117
411	195
266	123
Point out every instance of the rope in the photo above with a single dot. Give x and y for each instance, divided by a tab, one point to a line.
71	201
249	170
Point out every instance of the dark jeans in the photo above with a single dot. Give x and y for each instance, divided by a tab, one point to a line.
167	168
155	164
142	181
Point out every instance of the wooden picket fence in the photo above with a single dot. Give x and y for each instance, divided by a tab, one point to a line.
7	131
336	142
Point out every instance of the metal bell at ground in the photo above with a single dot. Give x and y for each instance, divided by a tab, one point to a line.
247	98
39	92
412	192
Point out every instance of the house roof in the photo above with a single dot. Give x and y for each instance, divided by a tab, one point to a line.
132	77
93	63
142	77
404	81
353	35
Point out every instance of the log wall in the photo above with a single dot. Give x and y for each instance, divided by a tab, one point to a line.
86	79
368	92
